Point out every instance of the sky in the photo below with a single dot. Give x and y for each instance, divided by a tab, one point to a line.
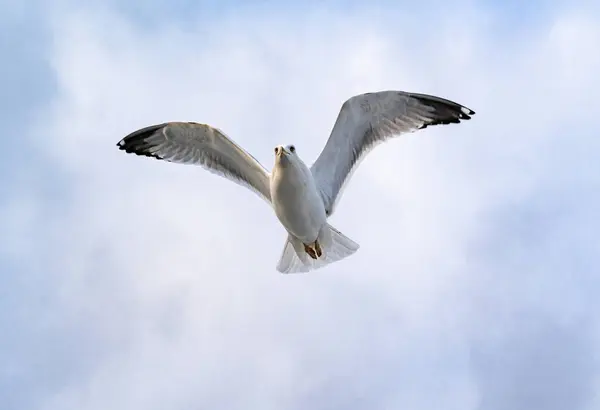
130	283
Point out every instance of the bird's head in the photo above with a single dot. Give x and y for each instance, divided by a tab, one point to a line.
284	154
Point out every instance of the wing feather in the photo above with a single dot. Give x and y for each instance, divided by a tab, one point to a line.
367	120
199	144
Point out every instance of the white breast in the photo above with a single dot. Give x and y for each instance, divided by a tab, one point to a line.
296	200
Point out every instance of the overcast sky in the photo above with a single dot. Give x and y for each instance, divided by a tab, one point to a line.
128	283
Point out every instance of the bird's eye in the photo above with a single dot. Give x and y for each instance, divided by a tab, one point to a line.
292	148
276	150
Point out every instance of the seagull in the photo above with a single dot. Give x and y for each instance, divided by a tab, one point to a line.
302	197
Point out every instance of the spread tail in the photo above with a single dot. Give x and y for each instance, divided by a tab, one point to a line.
334	245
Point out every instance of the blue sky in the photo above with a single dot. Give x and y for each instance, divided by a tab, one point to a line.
475	284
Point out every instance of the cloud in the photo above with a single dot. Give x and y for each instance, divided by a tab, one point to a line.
538	362
148	286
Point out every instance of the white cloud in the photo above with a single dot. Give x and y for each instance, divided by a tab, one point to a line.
175	282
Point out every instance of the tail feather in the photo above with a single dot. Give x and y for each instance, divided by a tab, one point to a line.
334	244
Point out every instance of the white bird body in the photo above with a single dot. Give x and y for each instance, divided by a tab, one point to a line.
295	197
302	198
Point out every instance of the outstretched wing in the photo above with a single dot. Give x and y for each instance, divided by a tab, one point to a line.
199	144
368	119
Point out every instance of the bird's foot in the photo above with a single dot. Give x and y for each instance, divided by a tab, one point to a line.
313	250
318	249
310	251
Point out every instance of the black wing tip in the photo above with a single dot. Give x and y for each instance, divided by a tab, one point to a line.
445	111
135	142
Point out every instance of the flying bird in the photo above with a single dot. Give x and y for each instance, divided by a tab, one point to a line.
302	197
